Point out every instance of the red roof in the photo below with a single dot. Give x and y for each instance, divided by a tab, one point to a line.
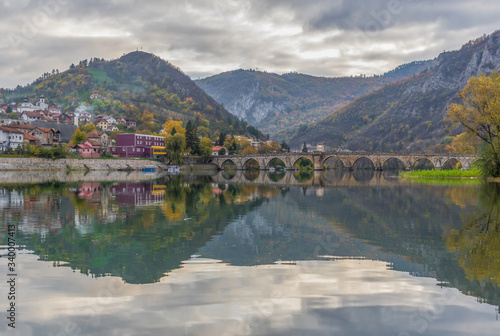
94	134
11	130
18	125
218	148
30	137
36	114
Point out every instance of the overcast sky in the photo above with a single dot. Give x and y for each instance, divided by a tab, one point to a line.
203	37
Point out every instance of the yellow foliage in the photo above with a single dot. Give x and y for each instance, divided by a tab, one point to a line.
463	143
170	124
479	112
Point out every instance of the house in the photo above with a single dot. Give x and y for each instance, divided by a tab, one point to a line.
129	122
62	118
100	137
101	123
90	149
55	109
84	117
31	140
46	136
136	145
10	138
216	149
66	131
32	116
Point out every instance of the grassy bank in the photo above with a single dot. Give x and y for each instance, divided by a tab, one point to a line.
441	174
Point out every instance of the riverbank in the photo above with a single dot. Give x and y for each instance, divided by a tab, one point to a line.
38	164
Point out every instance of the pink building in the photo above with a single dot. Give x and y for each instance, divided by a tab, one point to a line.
90	149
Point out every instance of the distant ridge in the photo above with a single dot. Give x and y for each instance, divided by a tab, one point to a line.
277	104
407	115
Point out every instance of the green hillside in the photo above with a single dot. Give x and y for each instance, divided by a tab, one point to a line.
138	85
408	115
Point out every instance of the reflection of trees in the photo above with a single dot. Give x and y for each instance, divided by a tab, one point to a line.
478	242
303	175
144	242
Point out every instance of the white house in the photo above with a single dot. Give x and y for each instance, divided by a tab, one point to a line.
10	138
32	116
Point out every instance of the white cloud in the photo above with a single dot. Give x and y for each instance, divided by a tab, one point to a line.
319	37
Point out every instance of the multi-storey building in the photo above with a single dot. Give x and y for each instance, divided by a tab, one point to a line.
136	145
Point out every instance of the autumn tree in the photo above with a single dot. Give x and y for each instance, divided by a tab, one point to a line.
463	143
171	124
78	137
479	113
88	127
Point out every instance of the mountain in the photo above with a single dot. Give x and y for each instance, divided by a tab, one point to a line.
408	115
277	104
138	85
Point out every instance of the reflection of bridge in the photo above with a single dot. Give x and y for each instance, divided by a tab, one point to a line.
348	159
331	178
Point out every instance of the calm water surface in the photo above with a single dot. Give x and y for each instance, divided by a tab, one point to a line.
324	254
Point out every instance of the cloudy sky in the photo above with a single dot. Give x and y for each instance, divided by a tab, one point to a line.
203	37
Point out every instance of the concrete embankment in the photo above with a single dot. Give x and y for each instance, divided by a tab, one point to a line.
35	164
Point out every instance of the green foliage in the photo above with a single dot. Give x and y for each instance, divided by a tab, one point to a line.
441	173
489	162
206	148
175	145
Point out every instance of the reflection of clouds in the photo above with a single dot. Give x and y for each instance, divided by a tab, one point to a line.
207	297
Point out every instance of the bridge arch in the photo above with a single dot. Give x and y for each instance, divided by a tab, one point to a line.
227	161
393	163
251	163
281	163
304	157
426	163
334	160
452	163
360	159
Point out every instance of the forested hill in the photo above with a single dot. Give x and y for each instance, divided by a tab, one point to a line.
277	104
138	85
409	115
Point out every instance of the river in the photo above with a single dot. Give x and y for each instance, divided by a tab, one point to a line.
335	253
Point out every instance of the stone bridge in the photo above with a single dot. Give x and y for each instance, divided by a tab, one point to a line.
348	159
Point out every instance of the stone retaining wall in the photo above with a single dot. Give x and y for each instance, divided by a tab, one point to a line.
25	164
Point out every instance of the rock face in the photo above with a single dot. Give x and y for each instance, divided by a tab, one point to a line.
408	115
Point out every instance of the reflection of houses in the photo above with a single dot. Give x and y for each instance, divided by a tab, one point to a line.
89	190
137	193
136	145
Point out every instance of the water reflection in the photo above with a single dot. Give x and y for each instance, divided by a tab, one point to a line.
478	242
339	252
